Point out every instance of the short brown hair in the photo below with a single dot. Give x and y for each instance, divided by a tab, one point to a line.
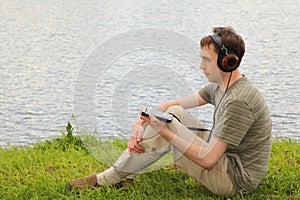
230	39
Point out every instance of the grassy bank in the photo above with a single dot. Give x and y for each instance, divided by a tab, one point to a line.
43	170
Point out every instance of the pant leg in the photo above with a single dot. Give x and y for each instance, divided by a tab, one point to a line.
155	147
216	179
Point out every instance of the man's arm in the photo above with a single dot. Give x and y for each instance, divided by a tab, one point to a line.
190	101
206	155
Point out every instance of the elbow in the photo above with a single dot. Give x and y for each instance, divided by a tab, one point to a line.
208	164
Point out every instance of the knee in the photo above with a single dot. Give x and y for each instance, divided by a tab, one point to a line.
175	110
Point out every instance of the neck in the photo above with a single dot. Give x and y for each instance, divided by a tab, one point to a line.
225	78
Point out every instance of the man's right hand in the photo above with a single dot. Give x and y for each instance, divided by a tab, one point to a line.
136	137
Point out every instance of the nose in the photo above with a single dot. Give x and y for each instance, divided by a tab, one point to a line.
202	65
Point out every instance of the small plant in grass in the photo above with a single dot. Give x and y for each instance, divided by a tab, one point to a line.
66	141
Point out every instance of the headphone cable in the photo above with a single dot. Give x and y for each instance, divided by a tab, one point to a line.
214	116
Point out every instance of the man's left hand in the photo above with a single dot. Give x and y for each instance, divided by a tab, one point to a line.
156	124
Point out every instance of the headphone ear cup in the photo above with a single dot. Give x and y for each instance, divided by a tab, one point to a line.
228	61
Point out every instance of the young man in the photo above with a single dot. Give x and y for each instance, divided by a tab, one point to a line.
233	156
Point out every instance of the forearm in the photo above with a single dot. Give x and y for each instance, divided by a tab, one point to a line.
164	106
189	101
190	150
182	145
205	154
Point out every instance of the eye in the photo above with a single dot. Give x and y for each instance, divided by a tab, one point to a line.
205	59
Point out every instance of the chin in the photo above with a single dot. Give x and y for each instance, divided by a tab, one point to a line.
209	79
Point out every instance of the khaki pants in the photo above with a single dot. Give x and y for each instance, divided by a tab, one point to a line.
216	179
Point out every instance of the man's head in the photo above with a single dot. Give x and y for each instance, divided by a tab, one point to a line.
230	40
210	50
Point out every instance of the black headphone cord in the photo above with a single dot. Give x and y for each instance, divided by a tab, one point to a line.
214	116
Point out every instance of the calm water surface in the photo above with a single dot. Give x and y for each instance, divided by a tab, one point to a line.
45	44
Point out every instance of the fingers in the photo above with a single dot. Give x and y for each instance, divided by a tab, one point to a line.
134	147
137	149
154	120
156	123
145	119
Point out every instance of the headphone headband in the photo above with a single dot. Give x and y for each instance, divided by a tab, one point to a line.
218	40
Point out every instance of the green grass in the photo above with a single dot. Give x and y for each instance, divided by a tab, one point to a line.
43	170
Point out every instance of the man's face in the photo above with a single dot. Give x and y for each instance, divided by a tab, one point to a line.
209	64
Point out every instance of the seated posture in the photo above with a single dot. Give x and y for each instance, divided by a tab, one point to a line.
230	158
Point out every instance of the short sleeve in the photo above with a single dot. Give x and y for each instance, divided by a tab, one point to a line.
207	93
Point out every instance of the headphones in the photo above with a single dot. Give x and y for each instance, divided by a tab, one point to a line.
227	59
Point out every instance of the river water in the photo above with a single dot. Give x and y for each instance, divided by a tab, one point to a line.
104	60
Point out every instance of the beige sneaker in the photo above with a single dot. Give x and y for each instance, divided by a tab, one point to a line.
83	183
90	181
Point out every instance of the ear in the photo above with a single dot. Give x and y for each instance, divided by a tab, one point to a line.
228	61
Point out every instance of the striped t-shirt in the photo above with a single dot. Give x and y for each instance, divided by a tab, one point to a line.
243	121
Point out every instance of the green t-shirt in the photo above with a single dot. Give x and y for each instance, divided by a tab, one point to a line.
243	121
